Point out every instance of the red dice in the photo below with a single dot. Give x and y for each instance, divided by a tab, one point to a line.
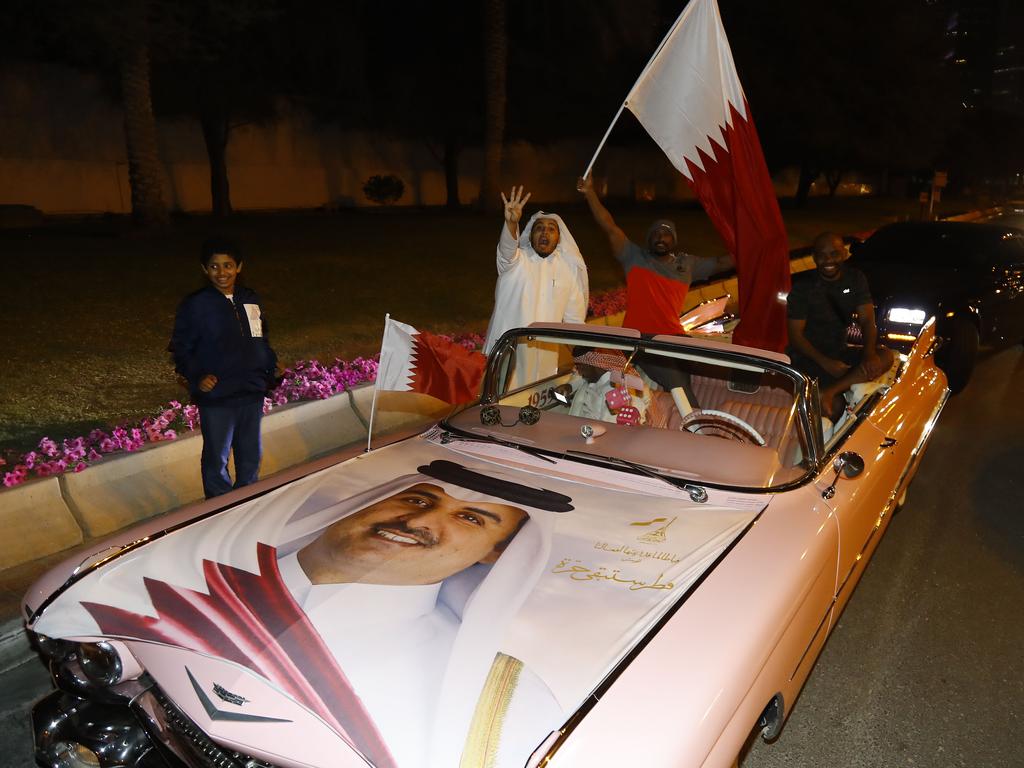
629	415
617	398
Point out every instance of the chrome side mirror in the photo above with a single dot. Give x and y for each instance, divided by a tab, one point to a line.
848	464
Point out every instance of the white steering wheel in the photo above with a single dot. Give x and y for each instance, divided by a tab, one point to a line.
706	421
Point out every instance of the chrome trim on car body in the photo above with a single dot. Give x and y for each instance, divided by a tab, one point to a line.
890	504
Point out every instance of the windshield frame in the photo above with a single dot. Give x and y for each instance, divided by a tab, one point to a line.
806	408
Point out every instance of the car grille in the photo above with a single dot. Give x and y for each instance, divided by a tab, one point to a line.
202	750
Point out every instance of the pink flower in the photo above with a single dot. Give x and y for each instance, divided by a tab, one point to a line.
17	477
306	380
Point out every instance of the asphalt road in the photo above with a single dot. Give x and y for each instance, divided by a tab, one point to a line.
926	666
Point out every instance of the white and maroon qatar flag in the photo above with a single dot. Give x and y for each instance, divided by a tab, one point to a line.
417	361
690	100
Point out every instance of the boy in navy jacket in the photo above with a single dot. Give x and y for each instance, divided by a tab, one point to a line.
220	346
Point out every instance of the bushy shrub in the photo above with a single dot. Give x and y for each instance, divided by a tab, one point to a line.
384	190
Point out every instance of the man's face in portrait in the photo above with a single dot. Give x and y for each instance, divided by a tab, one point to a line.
421	535
544	236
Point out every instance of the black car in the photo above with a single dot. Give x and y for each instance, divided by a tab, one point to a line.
970	277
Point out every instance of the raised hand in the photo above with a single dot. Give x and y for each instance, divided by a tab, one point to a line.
514	206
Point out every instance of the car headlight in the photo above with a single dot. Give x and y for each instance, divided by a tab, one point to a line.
90	668
68	754
904	315
101	663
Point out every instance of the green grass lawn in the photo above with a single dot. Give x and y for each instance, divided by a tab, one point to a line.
87	306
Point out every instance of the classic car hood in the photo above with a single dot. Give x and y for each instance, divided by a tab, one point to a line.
493	656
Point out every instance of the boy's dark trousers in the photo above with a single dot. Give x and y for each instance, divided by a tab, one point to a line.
228	428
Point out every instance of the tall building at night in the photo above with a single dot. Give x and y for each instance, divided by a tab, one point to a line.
986	45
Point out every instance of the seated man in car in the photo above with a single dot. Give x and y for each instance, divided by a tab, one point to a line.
820	308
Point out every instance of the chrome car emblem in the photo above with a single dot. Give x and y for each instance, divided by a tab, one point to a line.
225	695
217	714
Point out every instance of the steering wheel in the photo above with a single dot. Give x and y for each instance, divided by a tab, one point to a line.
720	424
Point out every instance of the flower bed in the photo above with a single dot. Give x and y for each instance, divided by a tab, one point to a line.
306	380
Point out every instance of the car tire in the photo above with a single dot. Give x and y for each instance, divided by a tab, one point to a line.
958	354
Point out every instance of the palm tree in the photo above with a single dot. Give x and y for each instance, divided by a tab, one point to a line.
495	97
144	171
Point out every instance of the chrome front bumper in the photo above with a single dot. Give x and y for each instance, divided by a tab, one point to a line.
147	731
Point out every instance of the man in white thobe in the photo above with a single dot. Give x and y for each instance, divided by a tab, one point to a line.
541	278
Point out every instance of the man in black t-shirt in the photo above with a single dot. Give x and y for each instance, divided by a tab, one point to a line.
820	308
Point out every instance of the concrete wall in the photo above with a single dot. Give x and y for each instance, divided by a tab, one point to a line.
62	151
49	515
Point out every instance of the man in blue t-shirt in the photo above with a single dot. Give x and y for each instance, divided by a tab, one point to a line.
820	308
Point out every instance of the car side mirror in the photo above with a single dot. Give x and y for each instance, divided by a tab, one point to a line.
848	464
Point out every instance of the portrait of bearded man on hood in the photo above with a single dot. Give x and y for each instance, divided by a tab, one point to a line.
389	606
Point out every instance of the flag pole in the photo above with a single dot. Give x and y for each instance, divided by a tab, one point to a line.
373	403
625	101
600	146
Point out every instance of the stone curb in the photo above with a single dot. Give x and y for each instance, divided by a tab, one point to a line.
37	521
46	516
15	648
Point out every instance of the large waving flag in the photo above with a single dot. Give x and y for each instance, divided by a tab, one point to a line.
690	100
417	361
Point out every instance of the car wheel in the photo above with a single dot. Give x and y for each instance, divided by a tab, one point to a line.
957	356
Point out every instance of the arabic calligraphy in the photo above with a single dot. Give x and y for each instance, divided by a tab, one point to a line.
576	571
633	555
658	535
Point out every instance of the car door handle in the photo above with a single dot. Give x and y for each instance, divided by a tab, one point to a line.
888	442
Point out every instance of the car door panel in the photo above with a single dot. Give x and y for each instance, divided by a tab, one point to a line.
888	439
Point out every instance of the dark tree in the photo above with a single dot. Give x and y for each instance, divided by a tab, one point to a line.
572	63
495	98
835	87
113	39
429	84
218	63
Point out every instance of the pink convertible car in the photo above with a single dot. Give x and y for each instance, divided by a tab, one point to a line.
585	568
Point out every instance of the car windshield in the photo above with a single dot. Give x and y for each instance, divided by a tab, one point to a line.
691	410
